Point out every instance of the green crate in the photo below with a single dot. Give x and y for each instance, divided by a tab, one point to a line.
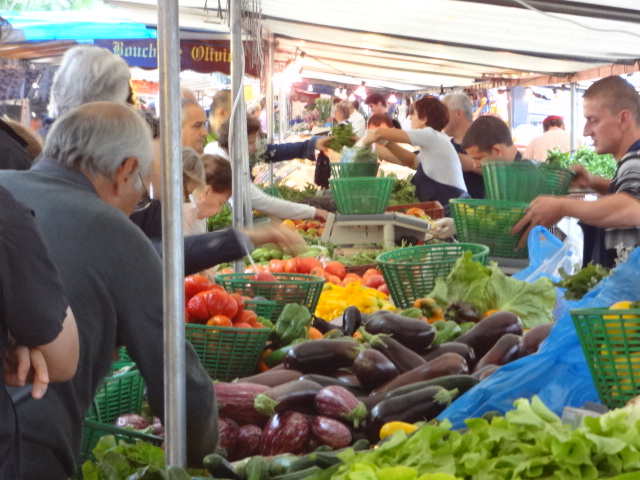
227	353
347	170
119	393
123	360
610	340
288	288
524	181
361	195
489	222
93	431
273	191
410	273
263	308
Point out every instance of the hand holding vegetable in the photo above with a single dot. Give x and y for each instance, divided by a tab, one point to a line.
543	210
283	237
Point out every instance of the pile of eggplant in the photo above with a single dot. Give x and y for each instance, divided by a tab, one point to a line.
335	391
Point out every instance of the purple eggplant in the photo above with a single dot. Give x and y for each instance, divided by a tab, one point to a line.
248	442
298	395
227	435
131	420
373	368
402	357
533	338
337	402
272	377
414	334
504	351
331	432
287	432
461	349
483	372
327	381
484	334
321	356
235	401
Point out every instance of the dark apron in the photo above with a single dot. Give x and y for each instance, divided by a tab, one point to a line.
428	190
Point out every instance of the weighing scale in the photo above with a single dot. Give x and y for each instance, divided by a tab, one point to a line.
382	229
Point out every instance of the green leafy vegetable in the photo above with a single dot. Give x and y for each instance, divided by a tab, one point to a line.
580	283
342	137
223	219
403	192
488	288
596	164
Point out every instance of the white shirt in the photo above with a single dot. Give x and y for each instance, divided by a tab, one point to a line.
358	123
272	206
437	156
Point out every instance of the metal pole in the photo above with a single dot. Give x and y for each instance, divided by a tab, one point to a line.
269	101
172	240
574	118
238	151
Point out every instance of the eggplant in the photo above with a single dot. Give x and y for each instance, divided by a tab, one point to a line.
298	395
248	442
504	351
321	356
227	435
272	378
461	349
410	332
421	405
327	381
321	324
532	339
351	320
460	382
287	432
219	467
446	364
131	420
402	357
461	312
372	400
235	401
484	334
337	402
373	368
347	377
329	431
483	372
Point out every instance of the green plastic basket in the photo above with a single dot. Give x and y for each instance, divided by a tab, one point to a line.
263	308
227	352
410	273
93	431
524	181
489	222
610	341
288	288
361	195
119	394
347	170
123	361
273	191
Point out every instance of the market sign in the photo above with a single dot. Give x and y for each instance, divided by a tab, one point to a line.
203	56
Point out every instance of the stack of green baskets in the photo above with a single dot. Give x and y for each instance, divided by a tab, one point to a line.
524	181
361	195
410	273
263	308
489	222
93	431
288	288
227	353
347	170
610	340
121	392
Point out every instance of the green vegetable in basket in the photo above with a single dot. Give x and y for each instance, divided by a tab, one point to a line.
292	324
488	288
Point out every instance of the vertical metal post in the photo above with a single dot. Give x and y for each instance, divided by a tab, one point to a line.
269	101
282	108
574	118
172	241
238	151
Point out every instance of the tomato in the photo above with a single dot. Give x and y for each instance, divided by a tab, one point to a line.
239	299
194	284
242	325
197	308
336	268
276	265
219	321
317	271
212	302
291	265
305	265
373	281
371	271
351	278
246	316
416	212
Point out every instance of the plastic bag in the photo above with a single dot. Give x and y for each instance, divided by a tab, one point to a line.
358	155
547	254
558	373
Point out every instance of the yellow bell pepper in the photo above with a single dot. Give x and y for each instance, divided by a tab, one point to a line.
390	428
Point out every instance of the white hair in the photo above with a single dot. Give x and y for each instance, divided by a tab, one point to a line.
97	137
459	101
89	74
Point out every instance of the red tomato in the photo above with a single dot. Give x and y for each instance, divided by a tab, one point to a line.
373	281
197	308
317	271
305	265
216	302
292	265
220	321
239	299
194	284
384	289
246	316
242	325
336	268
276	265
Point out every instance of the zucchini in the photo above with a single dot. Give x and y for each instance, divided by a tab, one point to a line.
257	468
219	467
449	382
281	464
299	475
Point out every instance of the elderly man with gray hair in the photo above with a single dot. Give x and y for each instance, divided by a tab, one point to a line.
82	190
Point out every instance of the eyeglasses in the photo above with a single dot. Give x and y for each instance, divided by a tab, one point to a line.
145	192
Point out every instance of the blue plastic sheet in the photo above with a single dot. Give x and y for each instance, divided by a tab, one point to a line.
558	373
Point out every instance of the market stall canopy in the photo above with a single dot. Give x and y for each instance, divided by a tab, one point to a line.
417	44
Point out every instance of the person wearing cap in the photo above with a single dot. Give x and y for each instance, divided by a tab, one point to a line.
554	137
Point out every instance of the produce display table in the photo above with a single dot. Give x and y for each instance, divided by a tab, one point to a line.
383	229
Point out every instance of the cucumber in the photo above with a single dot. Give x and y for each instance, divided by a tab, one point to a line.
281	464
257	469
219	467
449	382
299	475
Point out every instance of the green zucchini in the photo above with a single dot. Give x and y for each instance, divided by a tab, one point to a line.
281	464
449	382
257	468
299	475
219	467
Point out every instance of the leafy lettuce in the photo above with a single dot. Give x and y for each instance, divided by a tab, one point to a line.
488	288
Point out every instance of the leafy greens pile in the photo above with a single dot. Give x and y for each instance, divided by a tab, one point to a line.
602	165
529	442
579	284
342	137
487	288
